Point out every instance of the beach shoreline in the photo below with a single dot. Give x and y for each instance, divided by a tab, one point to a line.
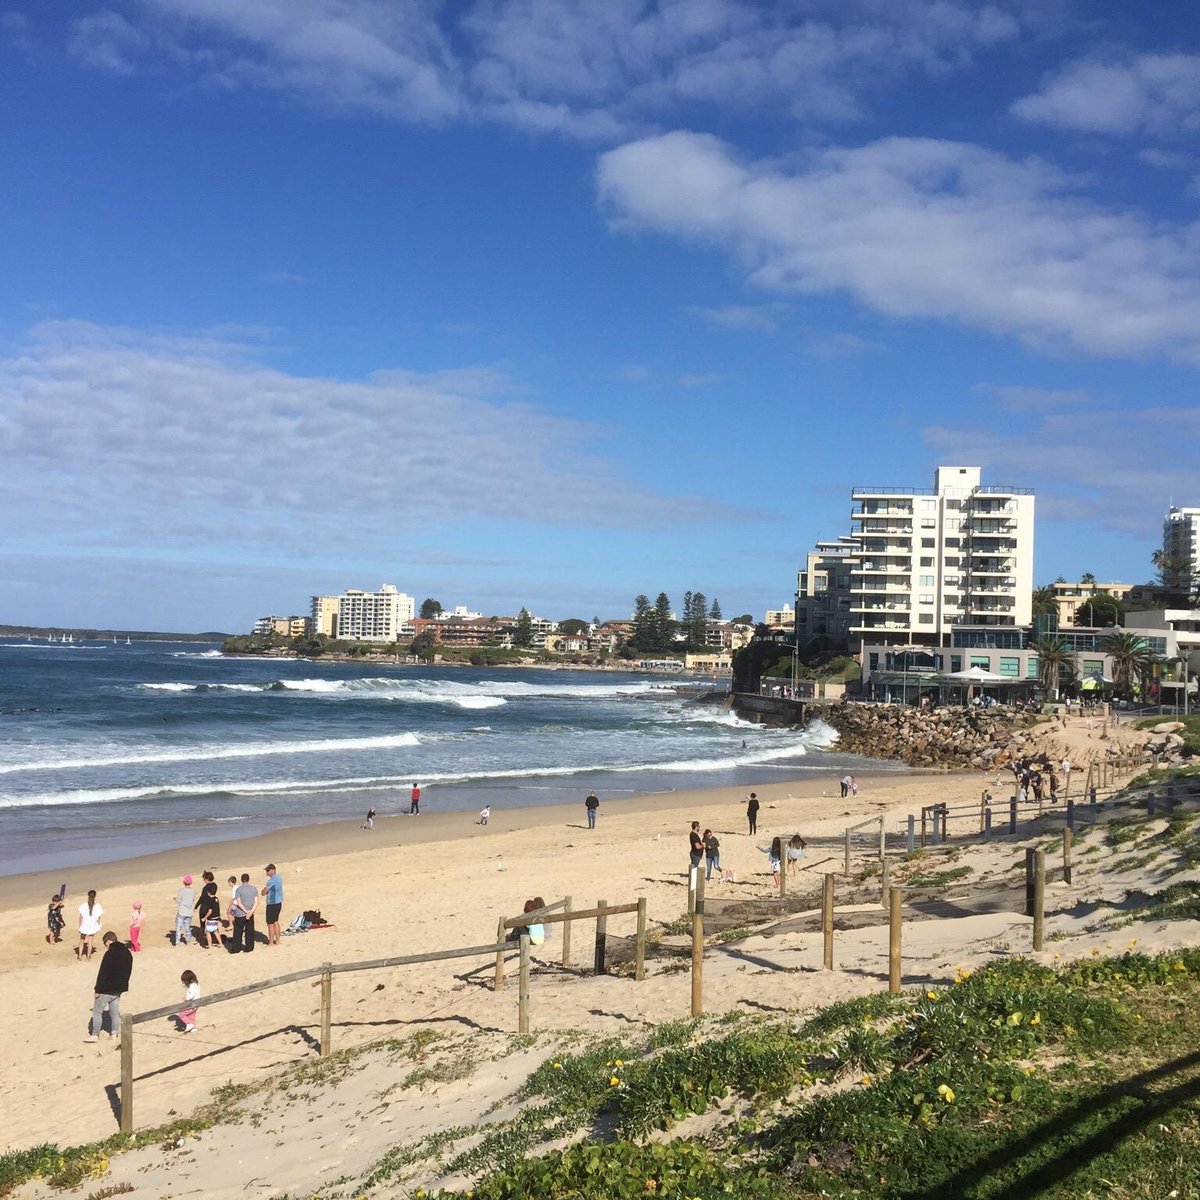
340	837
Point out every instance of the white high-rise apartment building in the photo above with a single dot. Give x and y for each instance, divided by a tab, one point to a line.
374	616
1181	541
957	554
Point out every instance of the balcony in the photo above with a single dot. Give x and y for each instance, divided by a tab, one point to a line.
880	510
874	606
875	528
881	627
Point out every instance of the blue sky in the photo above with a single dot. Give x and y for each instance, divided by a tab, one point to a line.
510	302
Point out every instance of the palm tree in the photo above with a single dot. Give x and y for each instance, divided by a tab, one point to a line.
1129	656
1054	659
1043	601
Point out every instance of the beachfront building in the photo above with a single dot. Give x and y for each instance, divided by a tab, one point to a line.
823	595
1068	597
288	627
382	616
323	617
780	618
959	553
1181	547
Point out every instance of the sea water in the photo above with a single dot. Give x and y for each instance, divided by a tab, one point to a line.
108	750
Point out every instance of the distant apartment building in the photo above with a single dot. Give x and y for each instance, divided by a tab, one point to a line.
1181	541
780	618
1069	597
823	594
921	561
323	617
382	616
288	627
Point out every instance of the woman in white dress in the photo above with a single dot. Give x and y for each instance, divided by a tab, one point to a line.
90	914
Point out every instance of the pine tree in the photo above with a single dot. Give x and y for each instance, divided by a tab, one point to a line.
714	613
430	608
696	621
664	623
644	631
523	630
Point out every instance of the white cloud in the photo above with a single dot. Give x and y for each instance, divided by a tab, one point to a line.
1113	469
762	317
573	67
841	344
112	436
1155	94
1020	398
913	227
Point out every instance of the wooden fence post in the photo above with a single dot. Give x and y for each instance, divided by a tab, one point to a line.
911	842
1012	813
784	847
126	1072
1039	899
639	946
1066	834
523	987
697	963
601	936
885	876
924	812
827	920
693	872
895	897
847	864
1029	884
566	934
882	840
326	1008
501	934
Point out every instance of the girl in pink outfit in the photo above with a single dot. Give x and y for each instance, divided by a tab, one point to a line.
136	919
191	993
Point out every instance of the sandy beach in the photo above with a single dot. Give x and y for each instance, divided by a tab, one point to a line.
416	884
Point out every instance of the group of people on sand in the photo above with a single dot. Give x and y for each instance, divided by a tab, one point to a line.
414	807
193	914
705	847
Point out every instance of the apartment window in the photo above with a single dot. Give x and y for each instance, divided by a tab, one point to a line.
926	581
873	662
950	601
1010	666
952	581
925	618
1093	666
952	542
928	523
927	562
981	660
928	543
956	662
1031	666
926	599
928	505
843	581
954	504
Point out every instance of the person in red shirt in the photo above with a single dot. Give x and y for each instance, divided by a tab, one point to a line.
414	804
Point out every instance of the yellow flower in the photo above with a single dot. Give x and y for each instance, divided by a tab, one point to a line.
1016	1018
1180	967
614	1082
946	1092
865	1080
558	1066
931	995
1036	1019
618	1063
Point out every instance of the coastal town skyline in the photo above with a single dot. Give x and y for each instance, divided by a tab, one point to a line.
530	302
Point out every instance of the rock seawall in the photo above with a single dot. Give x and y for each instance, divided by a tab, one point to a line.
939	737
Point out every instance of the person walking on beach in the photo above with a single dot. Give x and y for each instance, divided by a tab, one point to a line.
208	911
191	993
136	919
846	781
54	919
795	852
774	854
370	819
112	982
274	894
245	900
414	801
752	813
592	803
90	916
695	844
712	854
185	901
485	814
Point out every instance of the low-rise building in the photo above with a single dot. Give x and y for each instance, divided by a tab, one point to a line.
1069	597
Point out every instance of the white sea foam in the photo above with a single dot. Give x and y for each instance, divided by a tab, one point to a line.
211	752
197	654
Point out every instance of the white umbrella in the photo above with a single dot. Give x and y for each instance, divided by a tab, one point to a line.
978	675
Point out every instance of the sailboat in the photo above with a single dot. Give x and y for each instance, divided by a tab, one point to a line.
127	641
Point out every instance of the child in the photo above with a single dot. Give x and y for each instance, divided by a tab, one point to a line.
54	919
135	926
191	993
485	814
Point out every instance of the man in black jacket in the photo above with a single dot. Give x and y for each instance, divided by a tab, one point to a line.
112	982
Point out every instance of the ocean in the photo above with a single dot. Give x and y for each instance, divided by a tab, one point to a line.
108	750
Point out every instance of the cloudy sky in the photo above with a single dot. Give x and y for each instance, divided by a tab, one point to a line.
520	302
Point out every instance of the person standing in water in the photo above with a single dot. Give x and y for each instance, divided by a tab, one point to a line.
414	801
